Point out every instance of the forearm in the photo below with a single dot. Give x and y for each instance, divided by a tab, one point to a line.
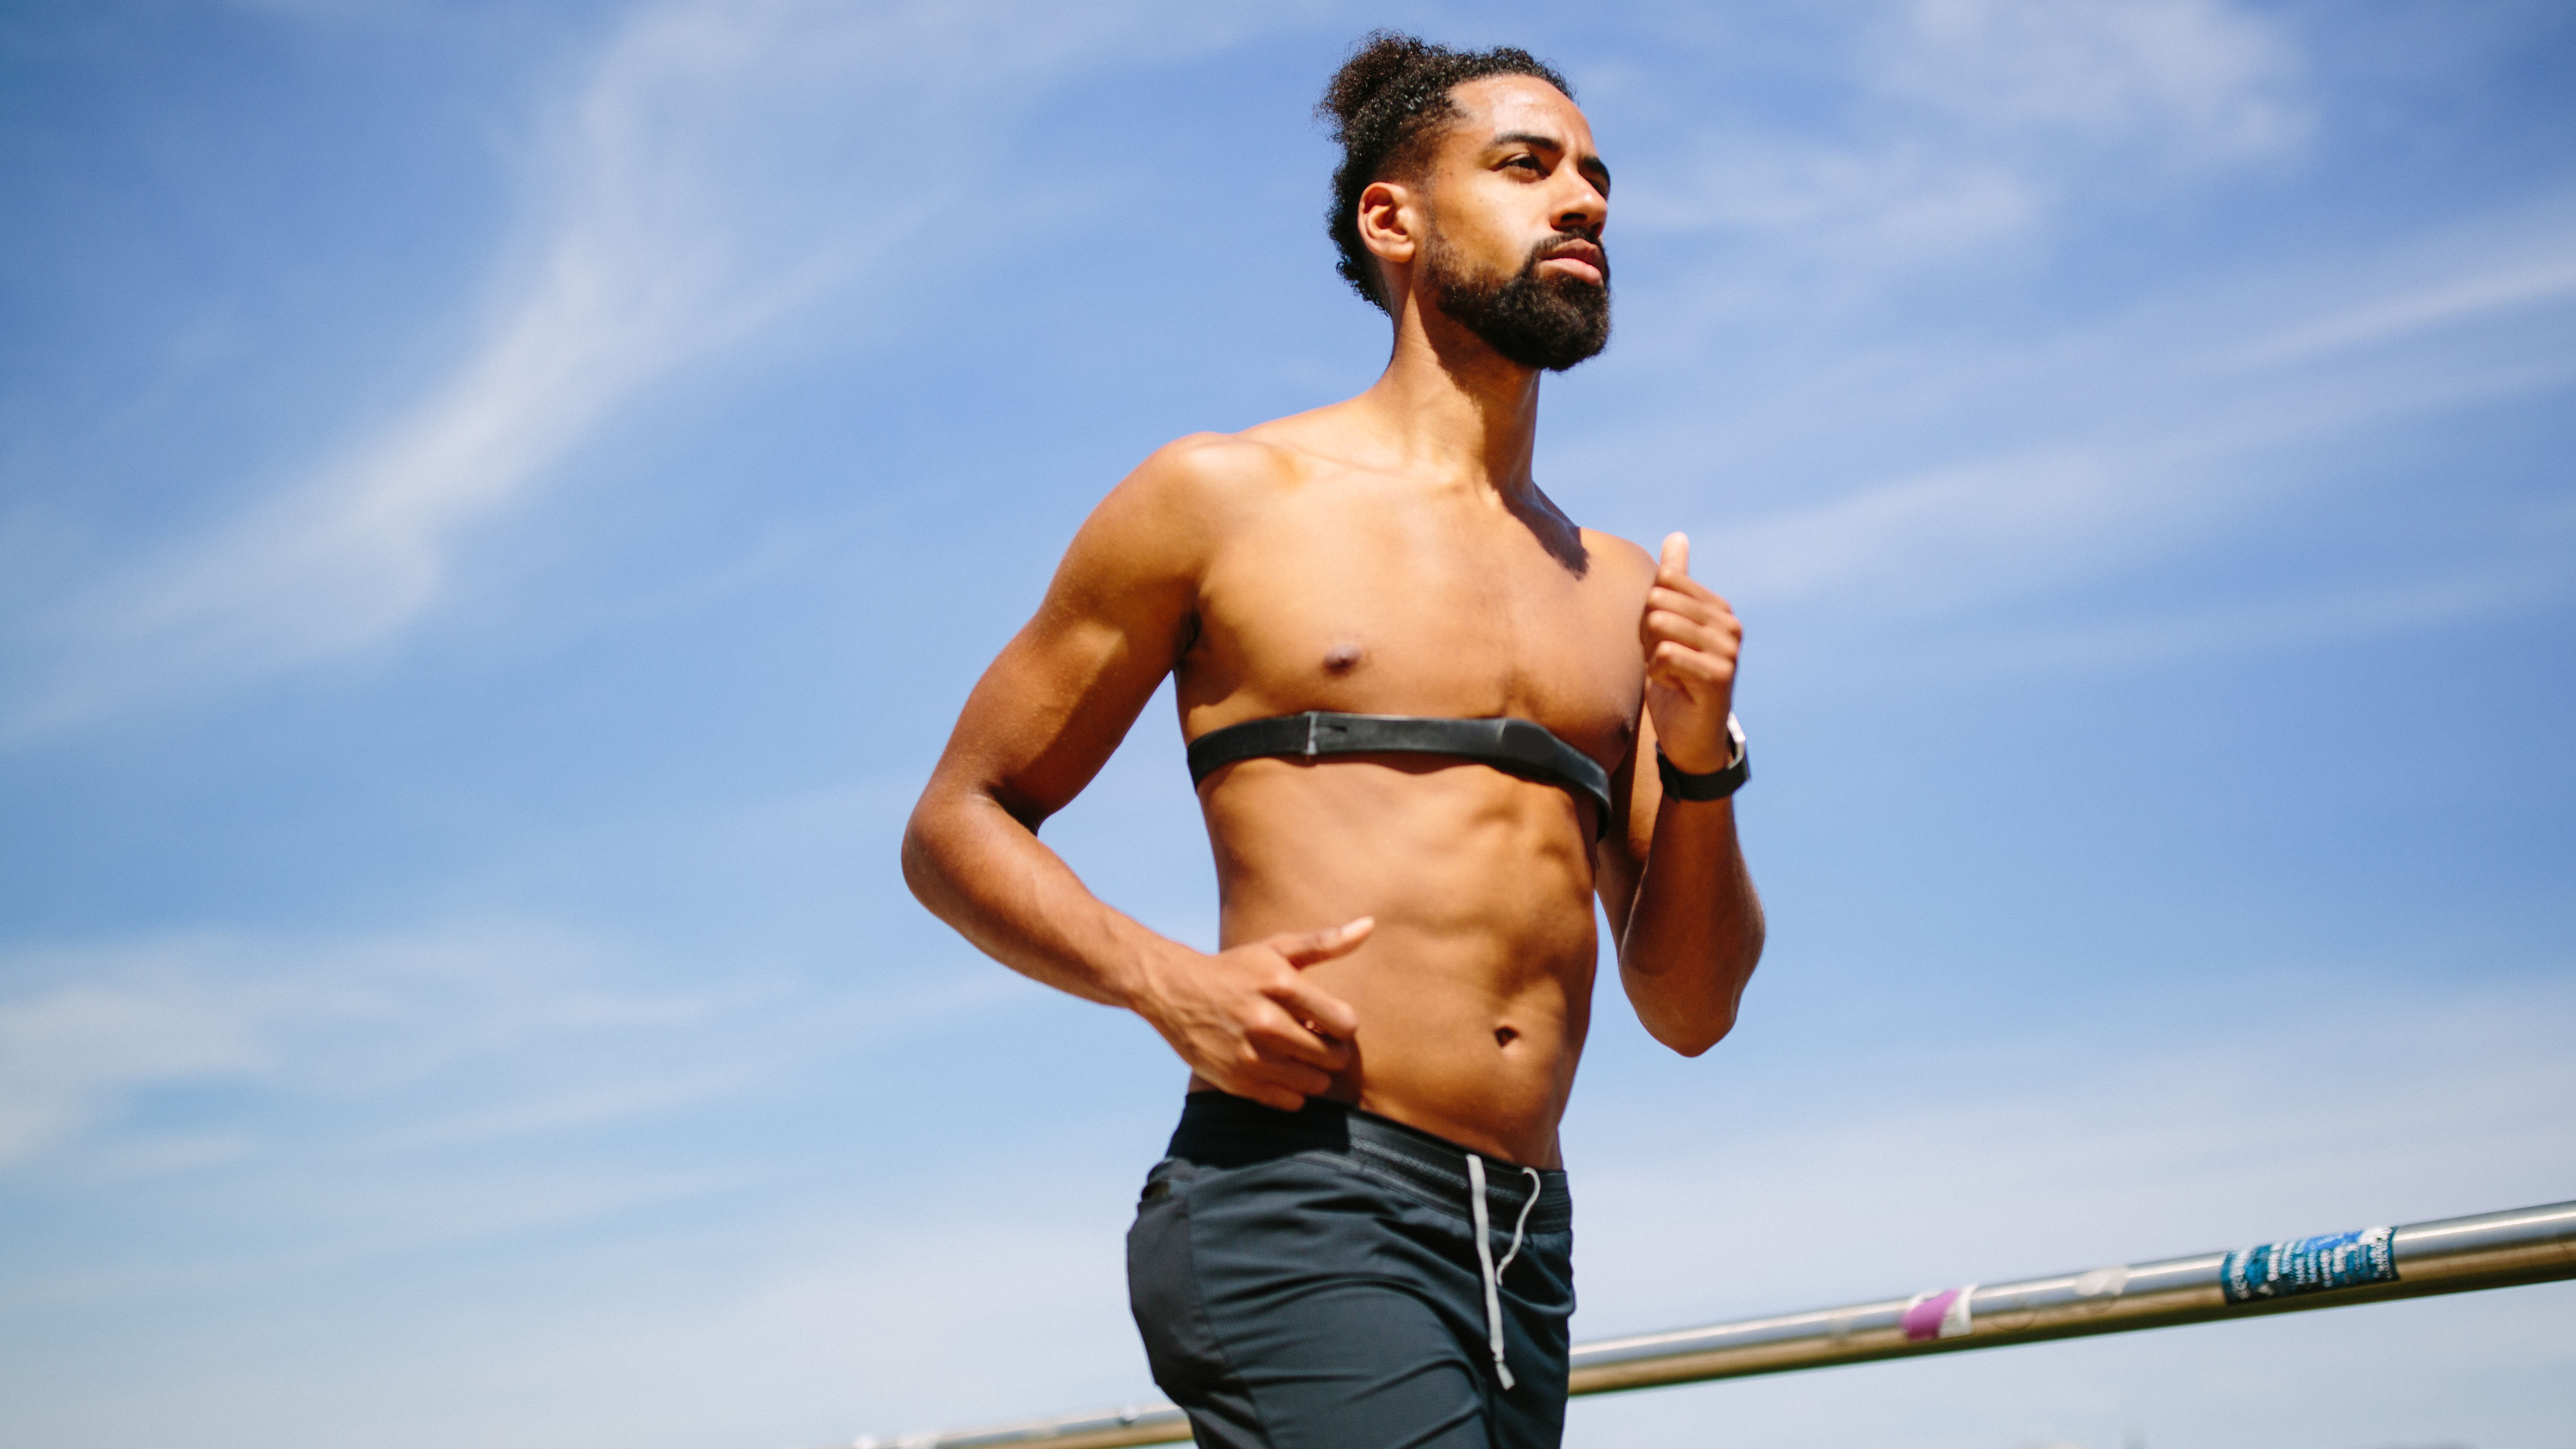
984	872
1695	930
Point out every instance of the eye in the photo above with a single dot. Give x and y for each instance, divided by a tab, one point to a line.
1527	163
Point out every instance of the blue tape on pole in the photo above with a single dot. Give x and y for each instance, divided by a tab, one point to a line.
2310	1265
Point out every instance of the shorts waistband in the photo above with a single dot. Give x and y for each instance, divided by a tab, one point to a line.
1218	1130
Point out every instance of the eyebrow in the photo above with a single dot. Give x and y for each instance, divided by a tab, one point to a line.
1591	166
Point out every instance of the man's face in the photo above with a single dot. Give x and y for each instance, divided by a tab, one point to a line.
1516	204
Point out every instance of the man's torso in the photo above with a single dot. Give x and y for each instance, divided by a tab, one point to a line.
1335	585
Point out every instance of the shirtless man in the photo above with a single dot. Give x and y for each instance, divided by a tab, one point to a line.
1360	1234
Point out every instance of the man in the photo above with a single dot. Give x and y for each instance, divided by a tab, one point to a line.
1418	698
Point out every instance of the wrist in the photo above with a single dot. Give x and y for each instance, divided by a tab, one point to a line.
1139	986
1708	785
1693	754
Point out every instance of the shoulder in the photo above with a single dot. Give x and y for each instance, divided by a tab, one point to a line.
1165	520
1216	468
1197	481
1623	563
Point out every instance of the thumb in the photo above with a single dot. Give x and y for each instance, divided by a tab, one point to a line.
1676	559
1324	945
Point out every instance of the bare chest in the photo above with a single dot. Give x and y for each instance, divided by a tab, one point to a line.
1421	611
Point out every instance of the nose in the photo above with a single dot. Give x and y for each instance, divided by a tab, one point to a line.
1587	211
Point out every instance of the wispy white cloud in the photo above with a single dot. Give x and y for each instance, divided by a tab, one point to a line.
2404	1098
1975	122
67	1054
2169	1126
821	1327
2507	286
2176	426
2203	77
1937	540
408	1040
632	265
2535	575
707	180
2161	1128
1901	202
85	1028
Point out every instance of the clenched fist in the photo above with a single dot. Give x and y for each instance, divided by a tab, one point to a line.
1691	638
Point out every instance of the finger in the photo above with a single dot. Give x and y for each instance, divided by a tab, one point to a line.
1693	670
1309	947
1687	595
1689	668
1675	562
1663	626
1276	1098
1285	1075
1287	1046
1329	1015
1703	610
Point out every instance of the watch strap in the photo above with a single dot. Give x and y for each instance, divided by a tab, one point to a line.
1716	784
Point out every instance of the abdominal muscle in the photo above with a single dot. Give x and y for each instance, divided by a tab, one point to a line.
1474	991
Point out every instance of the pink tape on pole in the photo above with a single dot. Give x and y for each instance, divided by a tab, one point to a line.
1938	1315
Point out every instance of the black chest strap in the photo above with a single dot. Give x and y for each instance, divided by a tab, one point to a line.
1516	745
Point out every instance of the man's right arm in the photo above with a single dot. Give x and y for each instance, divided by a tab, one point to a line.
1041	722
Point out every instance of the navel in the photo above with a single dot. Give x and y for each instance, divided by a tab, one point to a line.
1504	1036
1342	658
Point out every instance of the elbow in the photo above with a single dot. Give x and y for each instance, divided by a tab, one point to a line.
916	861
1689	1027
924	869
949	833
1690	1022
1695	1038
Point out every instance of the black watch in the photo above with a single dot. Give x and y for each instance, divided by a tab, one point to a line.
1716	784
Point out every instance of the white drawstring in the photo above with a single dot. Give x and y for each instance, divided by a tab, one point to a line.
1485	1253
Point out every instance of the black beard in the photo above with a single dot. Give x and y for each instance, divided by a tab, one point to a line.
1550	322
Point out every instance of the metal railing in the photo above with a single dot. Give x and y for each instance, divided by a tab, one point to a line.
2453	1255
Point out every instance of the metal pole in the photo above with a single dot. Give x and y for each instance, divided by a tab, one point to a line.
2454	1255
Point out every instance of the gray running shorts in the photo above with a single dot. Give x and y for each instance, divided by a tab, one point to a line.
1312	1280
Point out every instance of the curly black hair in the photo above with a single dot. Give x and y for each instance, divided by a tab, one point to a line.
1384	104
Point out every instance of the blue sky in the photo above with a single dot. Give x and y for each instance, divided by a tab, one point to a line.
499	507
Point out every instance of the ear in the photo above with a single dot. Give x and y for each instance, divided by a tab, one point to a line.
1390	222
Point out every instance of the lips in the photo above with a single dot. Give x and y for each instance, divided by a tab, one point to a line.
1583	253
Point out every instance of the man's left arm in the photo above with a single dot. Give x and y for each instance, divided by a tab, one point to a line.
1672	878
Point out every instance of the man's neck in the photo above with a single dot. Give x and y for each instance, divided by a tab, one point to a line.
1453	408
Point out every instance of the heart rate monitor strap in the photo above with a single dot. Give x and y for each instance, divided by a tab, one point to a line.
1512	744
